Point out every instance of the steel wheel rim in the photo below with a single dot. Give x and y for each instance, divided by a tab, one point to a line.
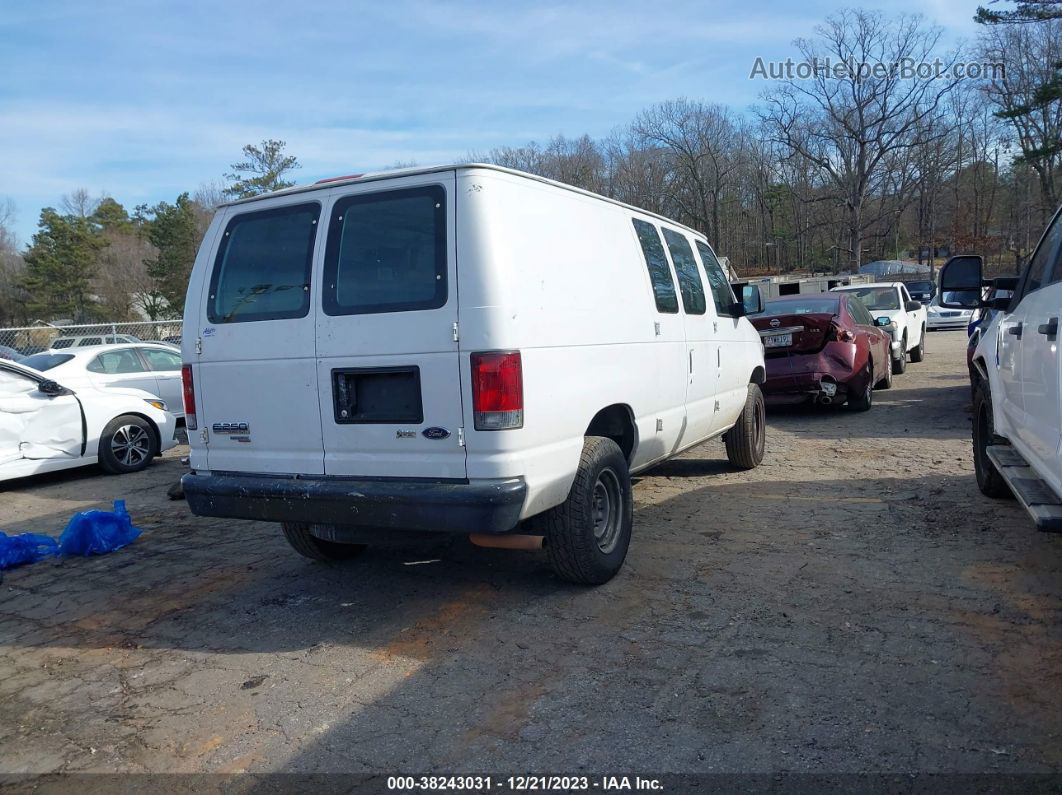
130	445
606	510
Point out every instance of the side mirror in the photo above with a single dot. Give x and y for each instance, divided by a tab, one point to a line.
52	389
912	306
882	321
751	300
963	274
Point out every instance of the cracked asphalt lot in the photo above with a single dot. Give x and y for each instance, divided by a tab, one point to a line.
852	605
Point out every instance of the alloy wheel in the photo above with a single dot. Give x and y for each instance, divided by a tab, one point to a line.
130	445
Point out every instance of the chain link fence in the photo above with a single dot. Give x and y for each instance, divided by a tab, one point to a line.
18	342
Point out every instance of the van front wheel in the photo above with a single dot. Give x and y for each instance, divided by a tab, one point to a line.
588	534
308	545
746	440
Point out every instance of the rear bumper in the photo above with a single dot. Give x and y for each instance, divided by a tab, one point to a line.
478	506
802	375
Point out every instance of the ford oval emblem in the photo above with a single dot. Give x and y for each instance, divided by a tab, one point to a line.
435	433
775	322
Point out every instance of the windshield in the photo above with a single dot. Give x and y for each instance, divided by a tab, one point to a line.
45	361
811	306
878	297
920	287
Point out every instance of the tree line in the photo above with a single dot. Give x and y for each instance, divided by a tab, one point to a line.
93	260
826	172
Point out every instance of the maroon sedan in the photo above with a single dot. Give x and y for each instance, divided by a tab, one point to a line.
824	348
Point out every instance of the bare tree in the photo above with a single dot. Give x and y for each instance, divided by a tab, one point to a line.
702	140
851	125
79	203
1030	55
12	268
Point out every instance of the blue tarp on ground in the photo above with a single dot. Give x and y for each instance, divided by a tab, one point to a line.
87	533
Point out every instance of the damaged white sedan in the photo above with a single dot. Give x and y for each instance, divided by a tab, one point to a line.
45	426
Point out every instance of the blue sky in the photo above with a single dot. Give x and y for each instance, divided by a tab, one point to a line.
145	100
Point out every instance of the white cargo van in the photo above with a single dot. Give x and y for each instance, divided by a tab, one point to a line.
463	349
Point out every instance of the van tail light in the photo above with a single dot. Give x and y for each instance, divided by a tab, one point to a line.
497	391
190	422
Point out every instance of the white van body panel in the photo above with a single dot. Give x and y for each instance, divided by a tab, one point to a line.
423	339
263	373
553	272
559	277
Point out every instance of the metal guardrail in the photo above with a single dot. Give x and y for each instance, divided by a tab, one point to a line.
27	340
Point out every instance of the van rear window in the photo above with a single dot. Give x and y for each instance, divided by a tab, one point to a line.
386	252
262	269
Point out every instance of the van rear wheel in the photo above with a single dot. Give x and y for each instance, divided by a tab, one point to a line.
308	545
587	535
746	440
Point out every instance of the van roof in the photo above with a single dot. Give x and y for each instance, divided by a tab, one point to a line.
374	176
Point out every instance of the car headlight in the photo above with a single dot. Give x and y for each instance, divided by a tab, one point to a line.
159	404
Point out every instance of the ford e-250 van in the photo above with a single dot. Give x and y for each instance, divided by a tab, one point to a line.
462	349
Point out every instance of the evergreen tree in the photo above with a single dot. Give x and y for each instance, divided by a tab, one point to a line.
173	230
60	266
263	170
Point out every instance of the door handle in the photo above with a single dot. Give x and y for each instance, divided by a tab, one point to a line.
1015	330
691	360
1050	329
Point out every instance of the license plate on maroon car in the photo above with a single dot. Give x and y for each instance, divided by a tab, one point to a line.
778	341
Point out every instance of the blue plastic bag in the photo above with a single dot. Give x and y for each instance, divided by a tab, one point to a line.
25	548
98	532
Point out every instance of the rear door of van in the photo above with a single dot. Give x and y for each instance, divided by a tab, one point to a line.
256	369
388	375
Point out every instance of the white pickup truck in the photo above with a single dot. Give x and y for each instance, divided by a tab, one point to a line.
1017	429
895	310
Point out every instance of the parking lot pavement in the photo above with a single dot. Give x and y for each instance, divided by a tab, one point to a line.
854	604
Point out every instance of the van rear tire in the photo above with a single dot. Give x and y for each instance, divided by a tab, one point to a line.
745	442
308	545
588	534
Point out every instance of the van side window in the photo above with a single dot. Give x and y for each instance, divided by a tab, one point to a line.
262	269
386	252
722	292
686	269
659	271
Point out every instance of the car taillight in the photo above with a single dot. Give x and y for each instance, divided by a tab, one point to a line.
189	398
497	391
838	334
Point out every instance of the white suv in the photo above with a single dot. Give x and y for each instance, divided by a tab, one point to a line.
1017	429
463	349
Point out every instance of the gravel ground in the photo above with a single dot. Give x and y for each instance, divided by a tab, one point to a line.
852	605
